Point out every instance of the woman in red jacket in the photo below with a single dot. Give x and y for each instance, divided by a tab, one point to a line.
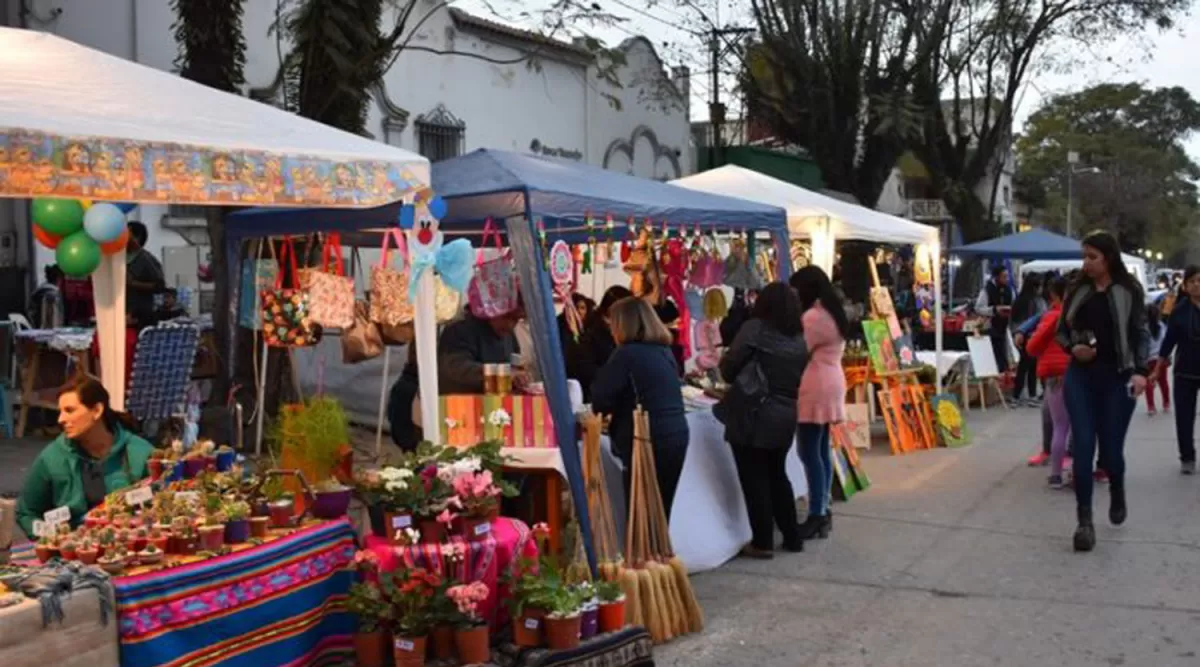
1052	362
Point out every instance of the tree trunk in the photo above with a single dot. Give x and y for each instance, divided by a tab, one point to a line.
214	217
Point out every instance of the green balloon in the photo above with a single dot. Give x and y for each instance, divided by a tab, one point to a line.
78	255
61	217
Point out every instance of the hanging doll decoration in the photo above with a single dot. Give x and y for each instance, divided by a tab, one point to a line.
611	260
739	267
708	331
635	257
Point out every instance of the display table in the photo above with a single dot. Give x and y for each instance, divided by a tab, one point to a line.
631	647
81	641
487	560
281	603
36	349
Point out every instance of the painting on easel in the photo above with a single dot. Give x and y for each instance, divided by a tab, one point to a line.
952	430
879	346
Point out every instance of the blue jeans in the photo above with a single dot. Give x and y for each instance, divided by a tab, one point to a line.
818	465
1100	407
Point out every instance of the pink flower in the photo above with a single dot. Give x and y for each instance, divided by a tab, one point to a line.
366	558
446	517
468	596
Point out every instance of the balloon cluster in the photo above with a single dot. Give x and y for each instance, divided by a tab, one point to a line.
79	232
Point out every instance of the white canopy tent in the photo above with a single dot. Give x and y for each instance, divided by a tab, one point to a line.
1137	266
825	220
79	123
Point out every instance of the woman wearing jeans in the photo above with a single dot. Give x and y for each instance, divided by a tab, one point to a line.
1183	338
1104	326
822	391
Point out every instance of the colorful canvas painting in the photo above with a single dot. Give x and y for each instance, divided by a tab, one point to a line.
904	351
857	426
844	486
952	429
880	347
883	308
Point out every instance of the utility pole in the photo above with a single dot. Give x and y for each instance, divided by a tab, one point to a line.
716	110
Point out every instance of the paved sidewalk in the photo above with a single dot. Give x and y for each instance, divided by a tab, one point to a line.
958	558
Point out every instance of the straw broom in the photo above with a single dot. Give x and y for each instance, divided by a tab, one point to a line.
672	607
637	535
682	585
604	530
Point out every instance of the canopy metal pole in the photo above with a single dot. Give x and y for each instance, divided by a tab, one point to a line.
259	399
936	259
383	389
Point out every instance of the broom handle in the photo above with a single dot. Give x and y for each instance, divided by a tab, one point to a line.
648	483
631	524
660	513
603	508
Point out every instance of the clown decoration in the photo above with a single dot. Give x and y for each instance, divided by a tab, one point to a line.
453	261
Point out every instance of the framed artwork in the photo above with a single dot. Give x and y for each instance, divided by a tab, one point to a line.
879	346
951	427
857	426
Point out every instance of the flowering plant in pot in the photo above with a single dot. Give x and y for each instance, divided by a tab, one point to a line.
612	605
471	631
237	521
411	592
394	497
563	618
373	610
479	497
589	612
212	532
433	503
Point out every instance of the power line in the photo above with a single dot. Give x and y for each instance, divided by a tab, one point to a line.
643	12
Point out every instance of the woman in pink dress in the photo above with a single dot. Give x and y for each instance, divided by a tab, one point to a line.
822	395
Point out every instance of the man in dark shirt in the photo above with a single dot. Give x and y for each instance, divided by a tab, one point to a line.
995	301
143	276
469	343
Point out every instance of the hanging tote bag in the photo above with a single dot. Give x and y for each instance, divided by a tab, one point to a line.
285	317
493	290
330	292
361	340
389	288
258	274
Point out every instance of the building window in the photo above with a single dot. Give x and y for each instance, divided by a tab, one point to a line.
440	135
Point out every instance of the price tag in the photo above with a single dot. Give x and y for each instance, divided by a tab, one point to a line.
483	529
531	624
187	497
42	529
139	496
401	521
58	515
404	645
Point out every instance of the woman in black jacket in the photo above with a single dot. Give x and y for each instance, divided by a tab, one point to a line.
597	339
642	371
1183	338
764	367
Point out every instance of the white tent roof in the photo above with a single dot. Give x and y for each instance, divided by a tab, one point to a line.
807	209
61	89
1136	265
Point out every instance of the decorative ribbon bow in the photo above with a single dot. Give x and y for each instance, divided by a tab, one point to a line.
453	261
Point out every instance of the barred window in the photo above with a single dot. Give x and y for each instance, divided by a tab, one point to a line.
440	135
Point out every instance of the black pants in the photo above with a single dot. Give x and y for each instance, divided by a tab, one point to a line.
768	492
669	455
1185	416
1000	349
1026	376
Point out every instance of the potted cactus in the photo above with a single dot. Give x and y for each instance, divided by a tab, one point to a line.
68	549
88	552
237	521
212	533
151	555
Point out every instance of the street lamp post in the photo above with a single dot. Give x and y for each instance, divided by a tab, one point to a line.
1072	160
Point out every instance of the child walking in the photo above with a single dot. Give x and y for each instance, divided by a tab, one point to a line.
1052	362
1158	377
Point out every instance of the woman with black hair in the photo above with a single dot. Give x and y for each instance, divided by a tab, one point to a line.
597	339
765	365
1183	338
822	396
98	453
1028	304
1103	324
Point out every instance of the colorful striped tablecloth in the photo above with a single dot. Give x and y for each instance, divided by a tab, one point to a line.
281	604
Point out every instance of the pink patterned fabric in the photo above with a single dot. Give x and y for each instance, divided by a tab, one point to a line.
823	387
509	541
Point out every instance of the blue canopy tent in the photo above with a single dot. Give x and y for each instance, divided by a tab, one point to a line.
1033	244
520	189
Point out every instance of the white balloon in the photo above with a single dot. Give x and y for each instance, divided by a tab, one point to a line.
104	222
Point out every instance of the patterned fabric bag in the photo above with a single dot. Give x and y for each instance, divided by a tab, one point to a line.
286	321
493	290
389	287
257	275
330	292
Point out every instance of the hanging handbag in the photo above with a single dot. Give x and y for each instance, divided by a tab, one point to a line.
330	292
493	290
286	322
258	274
389	287
361	340
446	303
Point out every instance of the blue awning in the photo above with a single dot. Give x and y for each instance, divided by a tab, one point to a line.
1033	244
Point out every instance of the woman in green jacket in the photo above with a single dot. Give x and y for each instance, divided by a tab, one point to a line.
97	453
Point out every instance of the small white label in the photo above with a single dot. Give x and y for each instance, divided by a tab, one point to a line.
58	515
483	529
187	497
42	529
139	496
531	624
404	645
401	521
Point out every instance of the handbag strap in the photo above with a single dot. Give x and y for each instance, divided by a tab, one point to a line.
333	246
492	229
288	250
401	246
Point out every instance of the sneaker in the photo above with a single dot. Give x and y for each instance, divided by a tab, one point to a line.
1056	482
1100	476
1152	412
1039	459
1188	467
1033	402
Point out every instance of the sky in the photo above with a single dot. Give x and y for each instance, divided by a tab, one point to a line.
1155	58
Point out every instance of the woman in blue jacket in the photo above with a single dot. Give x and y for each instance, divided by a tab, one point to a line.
1183	338
642	371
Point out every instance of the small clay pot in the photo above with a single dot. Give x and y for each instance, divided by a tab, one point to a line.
370	648
88	556
562	633
155	468
409	651
282	513
612	616
432	531
212	537
69	553
528	628
471	644
589	623
113	567
258	526
441	642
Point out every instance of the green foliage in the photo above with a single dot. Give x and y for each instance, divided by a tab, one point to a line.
316	430
212	48
366	601
1134	176
609	591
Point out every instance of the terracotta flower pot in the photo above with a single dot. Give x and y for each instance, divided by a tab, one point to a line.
472	645
43	552
432	531
441	642
89	556
69	553
409	651
612	616
476	529
370	648
527	628
394	525
562	633
212	537
258	526
282	513
188	545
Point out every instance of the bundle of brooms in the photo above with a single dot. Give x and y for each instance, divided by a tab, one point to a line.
658	593
604	529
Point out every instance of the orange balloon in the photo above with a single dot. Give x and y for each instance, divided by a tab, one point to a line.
117	245
46	238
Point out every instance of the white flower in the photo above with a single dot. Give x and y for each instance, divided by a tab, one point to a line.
395	485
394	474
499	417
412	535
